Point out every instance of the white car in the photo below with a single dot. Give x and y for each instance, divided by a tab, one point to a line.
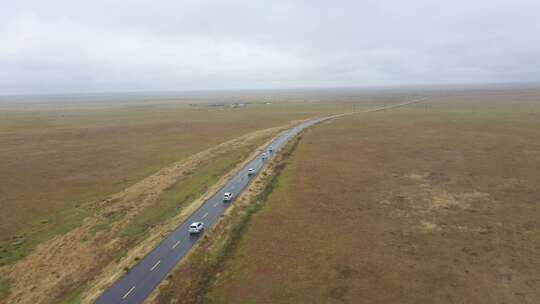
264	156
271	149
227	196
196	227
251	171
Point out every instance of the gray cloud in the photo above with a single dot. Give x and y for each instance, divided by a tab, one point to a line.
70	46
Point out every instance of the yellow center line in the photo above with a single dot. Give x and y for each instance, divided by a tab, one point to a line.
205	215
127	293
155	265
176	244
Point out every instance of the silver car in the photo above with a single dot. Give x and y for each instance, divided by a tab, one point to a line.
227	196
196	227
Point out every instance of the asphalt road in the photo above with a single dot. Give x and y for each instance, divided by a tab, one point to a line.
137	284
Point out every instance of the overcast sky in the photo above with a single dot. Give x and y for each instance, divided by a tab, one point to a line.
112	45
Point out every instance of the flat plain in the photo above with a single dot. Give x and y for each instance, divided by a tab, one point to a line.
57	157
433	203
78	185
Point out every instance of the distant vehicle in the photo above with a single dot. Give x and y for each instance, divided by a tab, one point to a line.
251	171
227	196
196	227
264	156
271	149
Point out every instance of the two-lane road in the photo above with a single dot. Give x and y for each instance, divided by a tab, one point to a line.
137	284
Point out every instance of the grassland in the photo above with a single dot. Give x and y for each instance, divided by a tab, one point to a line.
63	267
79	179
435	203
56	158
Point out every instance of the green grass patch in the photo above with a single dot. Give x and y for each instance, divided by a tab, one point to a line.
42	230
75	297
4	288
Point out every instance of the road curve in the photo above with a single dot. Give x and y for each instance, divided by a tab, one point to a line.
137	284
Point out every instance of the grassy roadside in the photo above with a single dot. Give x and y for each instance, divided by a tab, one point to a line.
173	200
186	189
204	263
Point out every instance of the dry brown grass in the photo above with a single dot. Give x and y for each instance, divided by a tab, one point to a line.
427	204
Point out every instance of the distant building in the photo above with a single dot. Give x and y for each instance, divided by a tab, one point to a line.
238	105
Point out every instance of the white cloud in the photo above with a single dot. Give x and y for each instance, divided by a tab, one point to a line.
66	46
